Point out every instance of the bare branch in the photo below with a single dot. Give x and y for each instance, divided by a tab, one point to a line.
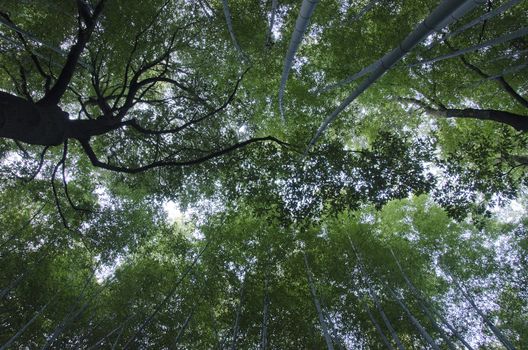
55	194
65	185
171	163
39	167
33	56
23	83
135	82
13	80
133	123
100	100
499	78
517	121
55	94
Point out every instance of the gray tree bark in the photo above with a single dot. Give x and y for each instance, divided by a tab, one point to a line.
317	304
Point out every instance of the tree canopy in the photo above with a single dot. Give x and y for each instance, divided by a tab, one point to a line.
347	174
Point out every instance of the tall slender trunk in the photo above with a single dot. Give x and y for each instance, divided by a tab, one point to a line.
335	336
264	328
121	329
274	4
169	295
322	322
488	15
307	9
447	12
490	324
13	284
118	328
512	70
20	278
415	322
183	328
453	330
431	314
496	41
64	324
215	330
23	329
73	315
436	326
378	328
26	224
238	314
365	9
229	22
374	297
386	320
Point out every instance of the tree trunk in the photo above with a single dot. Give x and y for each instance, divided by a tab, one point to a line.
215	329
264	329
386	320
238	313
268	42
415	322
335	336
12	285
20	278
488	15
322	322
435	324
23	329
182	329
447	12
365	9
307	9
378	328
496	41
431	315
27	122
122	328
167	297
46	125
491	326
517	121
118	328
74	314
26	224
227	14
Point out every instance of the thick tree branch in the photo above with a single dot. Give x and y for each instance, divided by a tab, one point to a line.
33	56
39	166
499	79
55	94
84	129
100	100
65	186
171	163
136	84
23	83
133	123
517	121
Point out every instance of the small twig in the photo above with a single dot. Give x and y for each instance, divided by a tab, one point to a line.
22	149
65	185
39	167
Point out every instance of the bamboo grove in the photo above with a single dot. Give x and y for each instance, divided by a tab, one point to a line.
206	174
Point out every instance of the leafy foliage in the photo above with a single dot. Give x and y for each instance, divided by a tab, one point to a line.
385	233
